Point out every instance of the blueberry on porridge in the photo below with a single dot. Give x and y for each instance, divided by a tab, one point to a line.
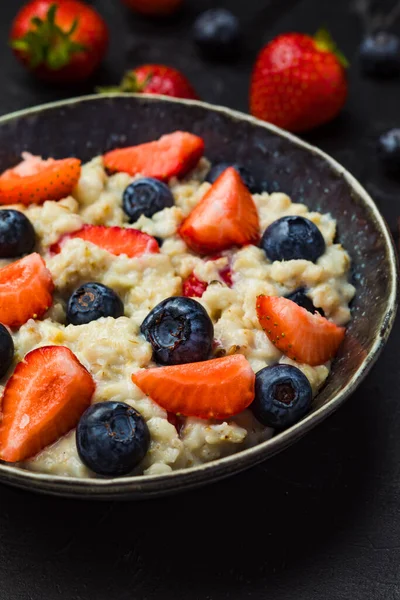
157	313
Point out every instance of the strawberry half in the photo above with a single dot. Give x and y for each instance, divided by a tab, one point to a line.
116	240
34	180
302	336
43	399
26	288
212	389
173	155
225	217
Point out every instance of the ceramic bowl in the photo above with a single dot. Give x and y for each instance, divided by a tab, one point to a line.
91	125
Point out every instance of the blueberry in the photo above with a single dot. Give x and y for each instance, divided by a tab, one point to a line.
217	34
389	151
244	173
291	238
283	396
112	438
146	197
301	299
17	236
92	301
380	54
6	350
180	331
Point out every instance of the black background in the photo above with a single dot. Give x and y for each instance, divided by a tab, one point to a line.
322	520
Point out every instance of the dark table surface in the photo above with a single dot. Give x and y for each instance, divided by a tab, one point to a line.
321	520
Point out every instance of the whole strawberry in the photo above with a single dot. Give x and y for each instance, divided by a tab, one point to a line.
59	40
298	81
155	79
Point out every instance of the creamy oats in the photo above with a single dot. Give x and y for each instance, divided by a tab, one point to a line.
112	349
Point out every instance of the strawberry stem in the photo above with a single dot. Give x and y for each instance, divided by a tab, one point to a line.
47	44
129	84
325	42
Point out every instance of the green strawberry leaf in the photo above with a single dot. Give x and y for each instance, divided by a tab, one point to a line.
47	44
325	42
129	84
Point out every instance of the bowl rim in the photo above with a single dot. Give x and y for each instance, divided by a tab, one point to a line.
146	485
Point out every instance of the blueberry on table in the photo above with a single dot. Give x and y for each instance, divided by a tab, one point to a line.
380	54
146	197
283	395
6	350
92	301
17	236
300	298
291	238
247	178
217	34
179	330
112	438
389	151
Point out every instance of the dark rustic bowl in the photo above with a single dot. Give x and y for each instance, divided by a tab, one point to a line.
88	126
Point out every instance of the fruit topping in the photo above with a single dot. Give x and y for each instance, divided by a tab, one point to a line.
300	298
112	438
225	217
302	336
43	399
283	395
292	238
146	197
179	330
247	178
213	389
92	301
33	181
173	155
116	240
26	288
17	235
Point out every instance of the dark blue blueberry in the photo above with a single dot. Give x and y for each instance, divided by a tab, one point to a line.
389	151
180	331
92	301
291	238
380	54
301	299
17	235
112	438
6	350
146	197
283	396
244	173
217	34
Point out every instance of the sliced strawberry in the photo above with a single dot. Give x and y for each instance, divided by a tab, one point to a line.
226	275
302	336
34	180
116	240
225	217
192	287
26	288
43	399
213	389
174	154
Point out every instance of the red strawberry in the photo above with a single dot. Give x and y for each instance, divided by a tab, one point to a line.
154	8
298	82
59	40
33	181
26	288
212	389
225	217
116	240
301	335
154	79
174	154
43	399
192	287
